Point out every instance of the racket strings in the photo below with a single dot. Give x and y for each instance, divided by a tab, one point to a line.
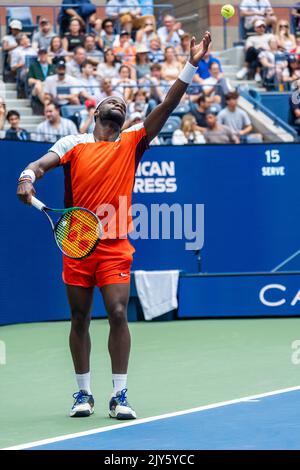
77	232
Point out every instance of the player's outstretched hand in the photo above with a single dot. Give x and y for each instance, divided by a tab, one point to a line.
199	50
25	191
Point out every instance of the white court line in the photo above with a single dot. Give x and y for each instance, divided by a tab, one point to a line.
148	420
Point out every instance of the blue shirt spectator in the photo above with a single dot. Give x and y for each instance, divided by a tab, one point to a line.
204	64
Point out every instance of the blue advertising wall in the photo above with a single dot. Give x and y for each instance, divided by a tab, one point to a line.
251	222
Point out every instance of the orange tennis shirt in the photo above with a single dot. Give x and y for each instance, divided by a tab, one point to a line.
100	175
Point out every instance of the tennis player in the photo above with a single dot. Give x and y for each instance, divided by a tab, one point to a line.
99	168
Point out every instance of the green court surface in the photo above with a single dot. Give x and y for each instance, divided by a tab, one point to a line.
174	366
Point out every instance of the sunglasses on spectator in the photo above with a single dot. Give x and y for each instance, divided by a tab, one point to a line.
261	26
283	26
148	24
108	25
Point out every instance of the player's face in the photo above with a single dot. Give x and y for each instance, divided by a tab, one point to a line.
113	110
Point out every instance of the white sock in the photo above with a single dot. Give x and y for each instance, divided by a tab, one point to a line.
119	382
84	382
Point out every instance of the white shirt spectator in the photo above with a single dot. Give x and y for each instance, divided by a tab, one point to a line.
51	83
90	84
175	38
46	132
259	41
117	7
179	138
73	68
10	39
104	71
17	56
258	7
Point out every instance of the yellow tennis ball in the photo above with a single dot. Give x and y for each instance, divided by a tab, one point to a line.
227	11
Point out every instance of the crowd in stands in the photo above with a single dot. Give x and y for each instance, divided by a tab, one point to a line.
65	71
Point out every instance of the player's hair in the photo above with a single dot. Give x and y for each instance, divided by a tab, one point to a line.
11	113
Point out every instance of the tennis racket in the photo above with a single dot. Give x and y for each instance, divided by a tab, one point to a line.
77	232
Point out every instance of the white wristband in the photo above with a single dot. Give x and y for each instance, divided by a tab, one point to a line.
187	73
29	173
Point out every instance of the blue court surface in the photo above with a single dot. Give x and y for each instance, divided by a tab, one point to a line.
266	421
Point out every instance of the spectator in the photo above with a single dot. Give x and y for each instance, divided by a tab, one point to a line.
274	63
198	109
15	132
296	17
87	122
74	37
171	67
157	85
9	41
82	10
61	79
184	48
216	133
253	10
18	63
2	113
215	86
169	34
107	35
139	102
39	70
296	49
292	72
294	103
142	67
286	40
254	45
73	66
117	8
155	54
125	85
94	55
88	81
109	68
235	118
19	54
56	50
41	39
54	126
106	89
126	24
147	32
188	132
125	51
204	65
136	118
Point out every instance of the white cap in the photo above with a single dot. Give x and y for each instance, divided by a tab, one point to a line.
108	97
16	24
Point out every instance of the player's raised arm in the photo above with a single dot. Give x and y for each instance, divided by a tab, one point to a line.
33	171
157	118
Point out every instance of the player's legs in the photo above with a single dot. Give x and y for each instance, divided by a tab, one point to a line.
80	300
116	298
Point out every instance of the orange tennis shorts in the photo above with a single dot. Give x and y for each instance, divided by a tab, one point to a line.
110	263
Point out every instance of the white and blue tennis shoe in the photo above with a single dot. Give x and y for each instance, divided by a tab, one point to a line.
83	405
119	407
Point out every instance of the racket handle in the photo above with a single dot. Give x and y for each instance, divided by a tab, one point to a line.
37	204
